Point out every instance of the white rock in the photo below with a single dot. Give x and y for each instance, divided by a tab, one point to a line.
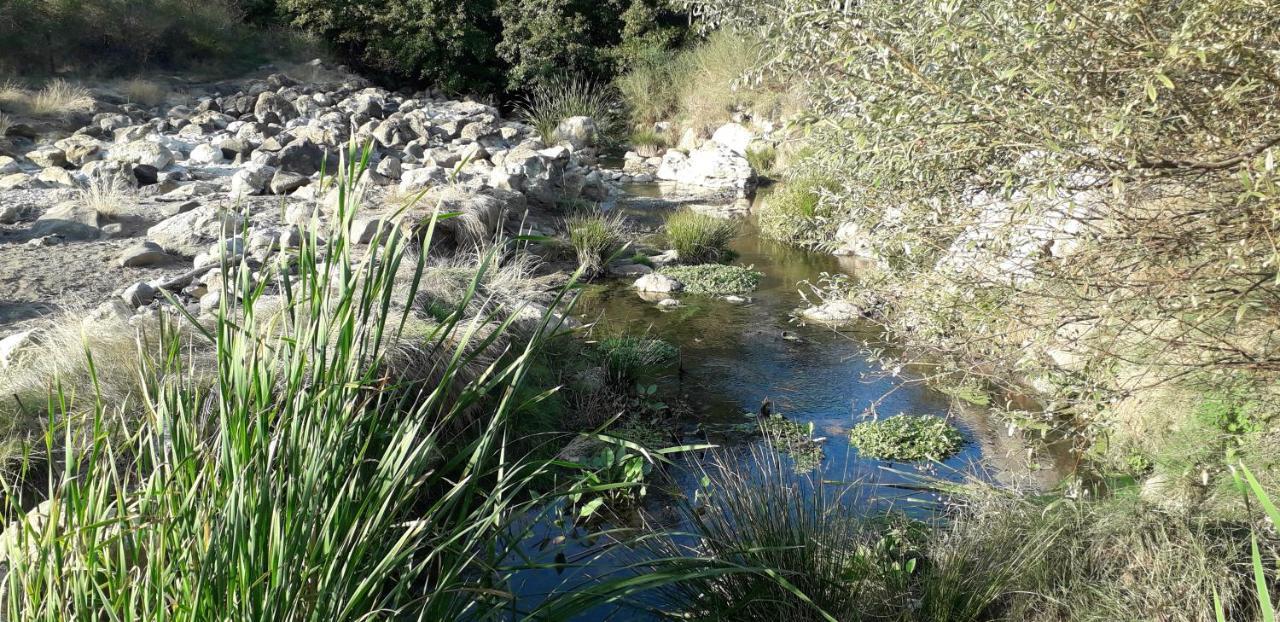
834	312
734	137
252	179
658	283
205	154
142	152
188	234
11	346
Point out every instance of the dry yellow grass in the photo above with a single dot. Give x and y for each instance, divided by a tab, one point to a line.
60	98
145	92
104	195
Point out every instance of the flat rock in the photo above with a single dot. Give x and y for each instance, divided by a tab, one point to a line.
658	283
834	312
147	253
188	234
70	220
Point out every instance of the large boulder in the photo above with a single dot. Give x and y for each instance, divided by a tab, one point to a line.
714	167
142	152
71	220
253	178
190	233
658	283
302	157
733	136
274	108
581	132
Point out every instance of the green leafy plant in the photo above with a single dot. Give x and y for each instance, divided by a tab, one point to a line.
906	438
698	237
715	279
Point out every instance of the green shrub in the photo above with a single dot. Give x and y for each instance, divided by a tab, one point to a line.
548	104
698	237
907	438
762	159
715	279
801	212
596	238
628	359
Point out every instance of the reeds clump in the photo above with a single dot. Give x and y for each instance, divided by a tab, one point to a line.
698	237
596	237
546	105
309	480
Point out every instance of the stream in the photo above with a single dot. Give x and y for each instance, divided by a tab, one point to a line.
734	356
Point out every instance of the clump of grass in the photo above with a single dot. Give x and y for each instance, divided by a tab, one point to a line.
596	237
906	438
770	544
648	88
715	279
13	94
312	481
794	439
547	105
799	212
630	358
60	98
762	159
647	142
699	237
104	195
6	122
145	92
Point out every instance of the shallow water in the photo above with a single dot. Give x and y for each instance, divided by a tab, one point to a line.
734	356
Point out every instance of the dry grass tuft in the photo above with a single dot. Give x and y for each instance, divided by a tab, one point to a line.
146	92
60	98
105	195
5	123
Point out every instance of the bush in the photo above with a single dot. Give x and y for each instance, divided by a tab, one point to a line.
762	159
548	104
801	212
906	438
698	237
597	238
108	36
715	279
629	359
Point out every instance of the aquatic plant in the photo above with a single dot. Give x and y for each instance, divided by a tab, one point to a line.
629	358
699	237
906	438
715	279
596	237
794	439
801	211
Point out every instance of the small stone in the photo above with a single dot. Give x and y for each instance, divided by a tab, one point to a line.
141	255
139	294
668	303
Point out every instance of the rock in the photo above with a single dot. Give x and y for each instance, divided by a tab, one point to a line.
110	174
581	132
8	166
139	294
252	179
302	157
46	157
833	312
19	180
668	303
713	166
734	137
658	283
190	233
11	347
56	176
10	214
389	167
71	220
79	154
146	174
689	141
204	154
142	152
852	240
271	107
141	255
363	230
283	182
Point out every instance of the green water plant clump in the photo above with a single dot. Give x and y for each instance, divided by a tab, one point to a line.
698	237
907	438
794	439
801	212
596	237
715	279
630	357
